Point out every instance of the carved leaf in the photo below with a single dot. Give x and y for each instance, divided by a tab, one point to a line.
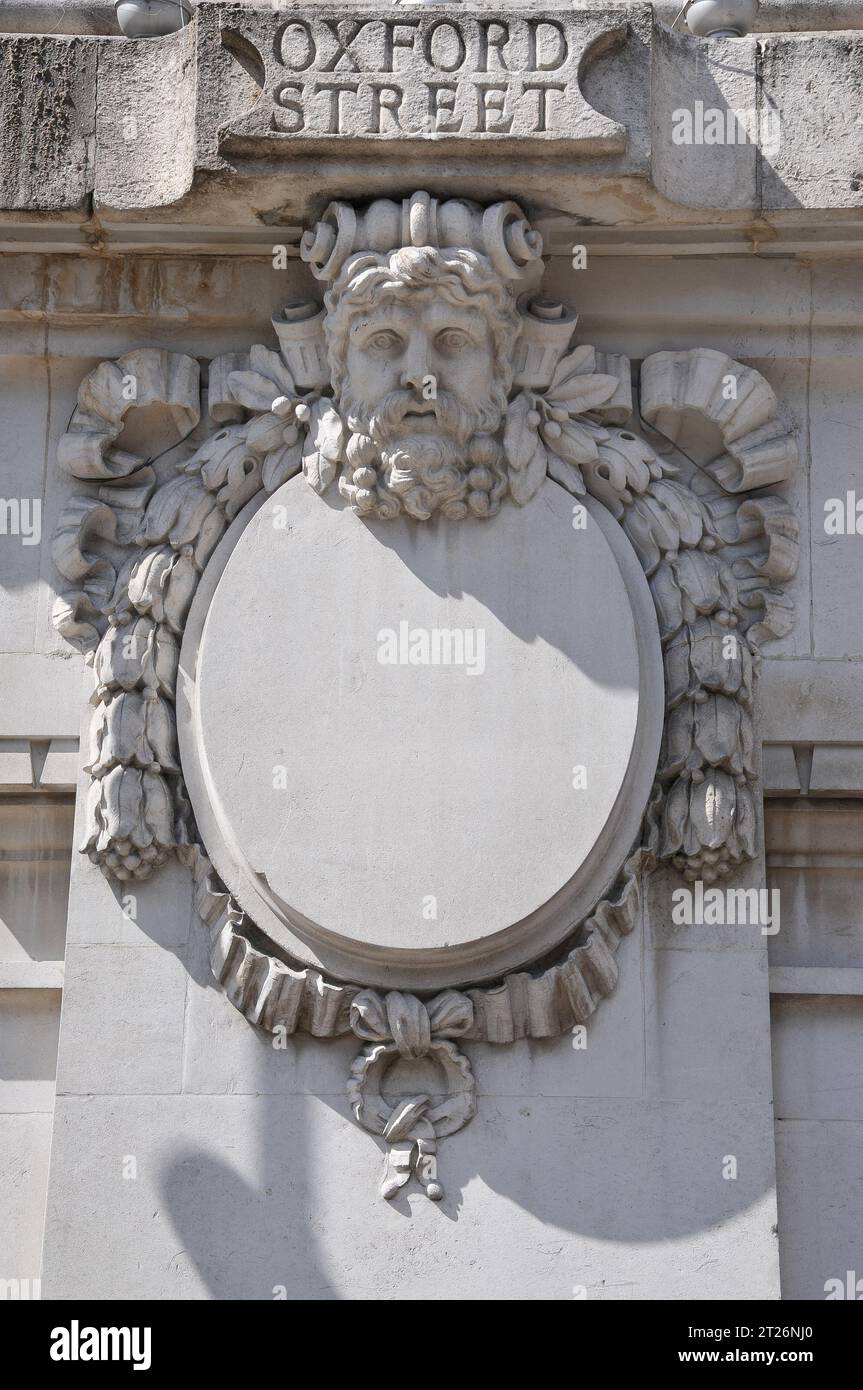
216	456
191	517
264	434
271	365
182	582
677	746
244	480
125	738
579	362
711	811
252	390
282	464
132	808
121	655
519	436
119	805
685	508
210	534
177	509
699	577
675	817
163	657
668	602
661	522
582	393
746	824
574	443
717	732
524	484
680	683
627	459
323	447
716	660
638	526
158	817
148	579
161	732
568	474
268	378
524	450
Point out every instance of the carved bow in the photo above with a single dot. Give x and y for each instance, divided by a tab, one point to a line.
407	1021
400	1025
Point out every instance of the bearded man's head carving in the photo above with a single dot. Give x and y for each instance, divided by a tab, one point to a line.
420	342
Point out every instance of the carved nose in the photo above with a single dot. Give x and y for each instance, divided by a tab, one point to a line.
415	368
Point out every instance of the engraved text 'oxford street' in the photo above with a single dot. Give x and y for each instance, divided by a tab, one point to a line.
433	75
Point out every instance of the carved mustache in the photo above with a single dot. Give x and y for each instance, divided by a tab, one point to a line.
386	419
447	410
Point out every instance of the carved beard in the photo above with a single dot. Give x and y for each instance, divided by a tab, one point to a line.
456	468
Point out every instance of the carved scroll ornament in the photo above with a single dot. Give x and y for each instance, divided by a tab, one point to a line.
434	379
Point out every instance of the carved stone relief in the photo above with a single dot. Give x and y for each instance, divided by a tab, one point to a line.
378	76
434	389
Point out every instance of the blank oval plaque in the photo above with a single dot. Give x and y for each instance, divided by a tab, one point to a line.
418	753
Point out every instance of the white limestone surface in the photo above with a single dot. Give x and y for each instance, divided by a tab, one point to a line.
421	740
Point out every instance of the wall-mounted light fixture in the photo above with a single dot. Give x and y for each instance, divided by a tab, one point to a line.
727	19
149	19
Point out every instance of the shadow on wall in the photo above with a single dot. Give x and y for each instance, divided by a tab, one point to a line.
274	1191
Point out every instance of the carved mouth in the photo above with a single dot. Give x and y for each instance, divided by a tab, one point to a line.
420	419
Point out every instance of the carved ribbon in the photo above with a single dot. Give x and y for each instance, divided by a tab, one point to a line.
402	1026
408	1022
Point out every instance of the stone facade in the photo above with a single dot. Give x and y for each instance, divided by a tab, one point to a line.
429	559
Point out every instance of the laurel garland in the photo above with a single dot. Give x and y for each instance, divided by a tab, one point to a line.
130	618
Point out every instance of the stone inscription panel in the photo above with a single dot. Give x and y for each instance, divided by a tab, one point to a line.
430	74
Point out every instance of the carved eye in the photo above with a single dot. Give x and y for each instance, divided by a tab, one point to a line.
451	340
384	341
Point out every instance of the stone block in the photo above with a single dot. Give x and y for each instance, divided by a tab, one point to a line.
781	777
705	1025
36	835
664	932
818	1057
15	766
703	117
837	478
145	126
545	1196
47	113
837	770
815	860
42	695
29	1024
382	78
820	1184
60	768
137	995
23	534
800	699
813	82
25	1147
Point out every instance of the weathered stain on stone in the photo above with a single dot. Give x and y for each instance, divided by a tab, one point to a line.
47	114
